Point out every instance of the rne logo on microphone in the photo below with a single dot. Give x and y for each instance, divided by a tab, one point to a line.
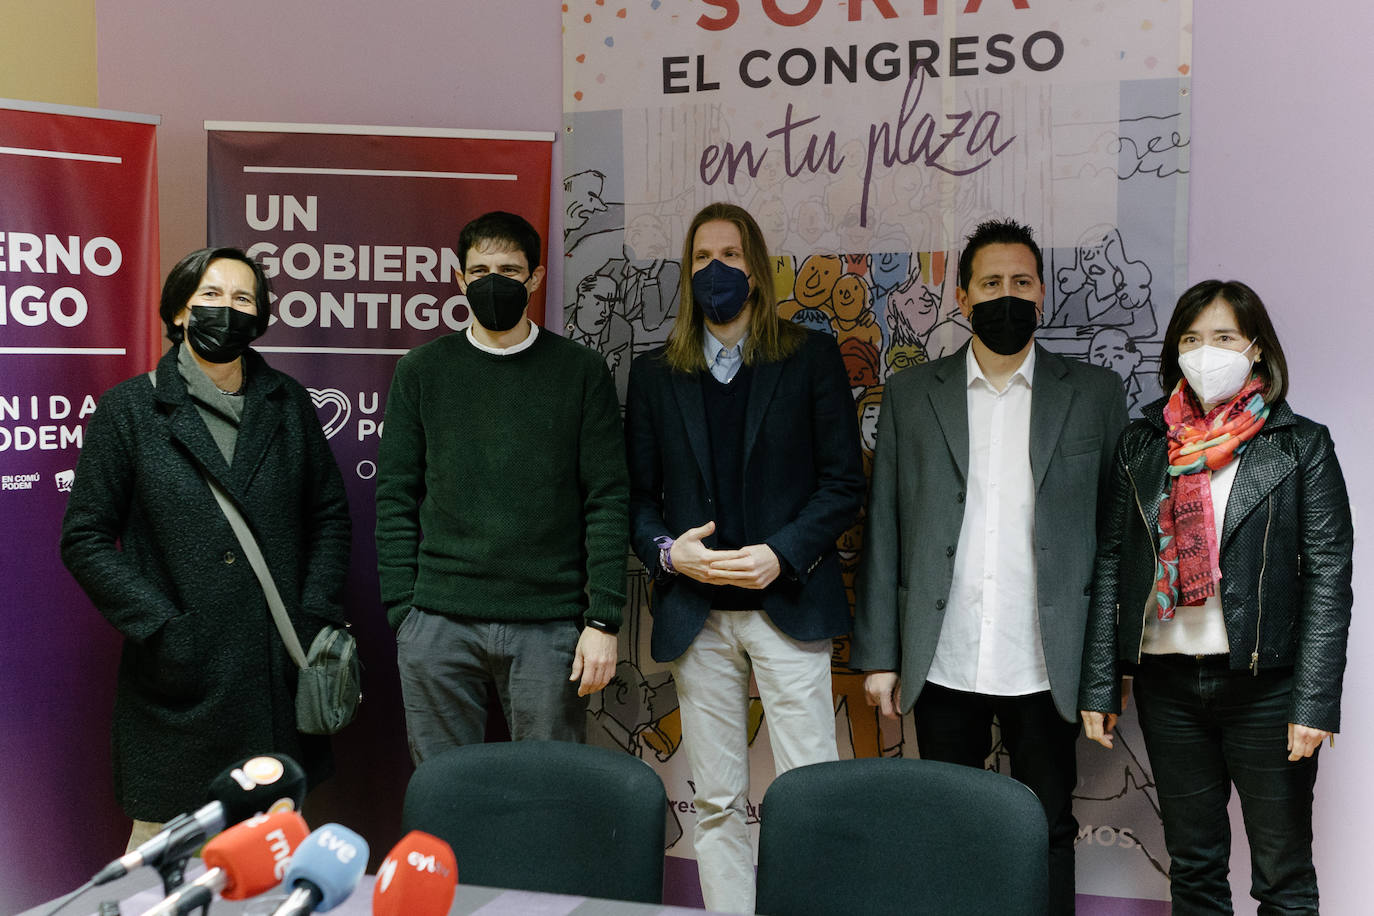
281	852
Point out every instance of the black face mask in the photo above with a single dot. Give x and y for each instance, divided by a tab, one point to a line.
219	334
1006	324
497	302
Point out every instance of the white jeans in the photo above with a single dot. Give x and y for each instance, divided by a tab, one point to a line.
712	679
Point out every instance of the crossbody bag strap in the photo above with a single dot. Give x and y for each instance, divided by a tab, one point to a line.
249	545
255	560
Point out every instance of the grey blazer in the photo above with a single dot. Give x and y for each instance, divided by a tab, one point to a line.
916	510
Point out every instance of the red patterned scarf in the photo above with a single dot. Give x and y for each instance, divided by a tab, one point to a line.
1188	569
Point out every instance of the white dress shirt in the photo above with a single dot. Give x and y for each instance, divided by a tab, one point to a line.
1199	629
990	640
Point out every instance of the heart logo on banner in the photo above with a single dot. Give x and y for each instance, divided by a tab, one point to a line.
323	397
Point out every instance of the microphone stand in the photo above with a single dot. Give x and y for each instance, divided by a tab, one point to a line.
197	899
185	838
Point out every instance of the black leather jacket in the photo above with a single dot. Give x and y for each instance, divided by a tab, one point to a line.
1285	562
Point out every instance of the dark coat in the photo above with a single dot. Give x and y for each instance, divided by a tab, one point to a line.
204	680
916	510
1285	553
803	486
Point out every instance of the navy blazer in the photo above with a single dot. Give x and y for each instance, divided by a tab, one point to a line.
803	486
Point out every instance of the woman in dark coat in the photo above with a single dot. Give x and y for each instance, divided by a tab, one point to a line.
204	679
1222	582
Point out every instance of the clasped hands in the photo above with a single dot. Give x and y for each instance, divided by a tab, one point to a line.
755	566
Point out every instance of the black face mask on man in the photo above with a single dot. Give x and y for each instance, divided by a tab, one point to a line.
1005	324
219	334
497	301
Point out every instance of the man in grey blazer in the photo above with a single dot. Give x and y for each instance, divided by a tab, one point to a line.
973	588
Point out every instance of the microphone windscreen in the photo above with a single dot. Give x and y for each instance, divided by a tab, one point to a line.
417	878
255	853
270	782
332	859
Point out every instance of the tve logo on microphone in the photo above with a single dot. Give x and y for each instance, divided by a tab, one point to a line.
340	846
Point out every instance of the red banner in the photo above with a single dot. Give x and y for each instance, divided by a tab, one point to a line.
78	313
357	228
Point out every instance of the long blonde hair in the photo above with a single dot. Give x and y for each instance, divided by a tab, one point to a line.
770	338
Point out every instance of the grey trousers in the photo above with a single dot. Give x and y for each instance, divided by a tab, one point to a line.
448	665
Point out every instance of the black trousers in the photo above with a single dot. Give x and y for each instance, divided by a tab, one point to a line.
1207	728
956	727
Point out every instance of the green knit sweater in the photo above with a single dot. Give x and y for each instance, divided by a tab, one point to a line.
501	485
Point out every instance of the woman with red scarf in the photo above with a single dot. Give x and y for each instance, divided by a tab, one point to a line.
1222	583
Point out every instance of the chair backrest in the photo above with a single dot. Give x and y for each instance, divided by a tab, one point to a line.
900	836
545	816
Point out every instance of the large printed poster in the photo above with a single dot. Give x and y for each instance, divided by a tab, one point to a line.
356	228
78	300
869	138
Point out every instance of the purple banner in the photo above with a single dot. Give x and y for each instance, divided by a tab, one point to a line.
78	299
356	228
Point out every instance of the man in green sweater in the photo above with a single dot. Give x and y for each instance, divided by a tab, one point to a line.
501	511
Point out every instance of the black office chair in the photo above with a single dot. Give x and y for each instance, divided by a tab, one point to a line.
545	816
905	837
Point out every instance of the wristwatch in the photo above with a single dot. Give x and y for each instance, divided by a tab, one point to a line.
602	625
665	553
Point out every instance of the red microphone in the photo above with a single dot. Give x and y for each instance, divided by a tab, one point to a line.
243	861
417	878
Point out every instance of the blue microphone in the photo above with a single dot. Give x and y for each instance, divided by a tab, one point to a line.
324	870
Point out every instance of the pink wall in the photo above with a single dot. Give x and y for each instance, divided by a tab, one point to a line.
1278	194
479	64
1281	200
